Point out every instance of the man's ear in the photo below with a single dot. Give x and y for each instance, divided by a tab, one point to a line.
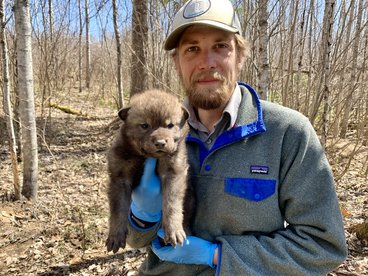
240	63
123	113
175	58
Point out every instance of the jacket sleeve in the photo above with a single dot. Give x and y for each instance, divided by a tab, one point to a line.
139	237
313	241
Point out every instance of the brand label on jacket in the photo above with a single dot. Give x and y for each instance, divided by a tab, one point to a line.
259	169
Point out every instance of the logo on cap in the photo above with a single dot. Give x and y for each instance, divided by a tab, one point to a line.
196	8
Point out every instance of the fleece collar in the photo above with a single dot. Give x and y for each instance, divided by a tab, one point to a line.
249	122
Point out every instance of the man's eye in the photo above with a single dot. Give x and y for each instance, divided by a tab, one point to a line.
144	125
220	46
192	49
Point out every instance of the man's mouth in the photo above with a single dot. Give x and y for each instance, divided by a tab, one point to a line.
208	81
209	78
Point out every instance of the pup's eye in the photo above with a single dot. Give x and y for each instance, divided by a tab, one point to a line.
144	126
171	125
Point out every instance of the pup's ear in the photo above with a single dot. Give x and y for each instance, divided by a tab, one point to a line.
123	113
185	116
185	113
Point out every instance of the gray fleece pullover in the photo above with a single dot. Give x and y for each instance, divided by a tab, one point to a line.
265	193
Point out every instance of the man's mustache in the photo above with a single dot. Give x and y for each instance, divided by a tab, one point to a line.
209	75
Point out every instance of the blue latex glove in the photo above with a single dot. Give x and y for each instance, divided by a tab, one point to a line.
147	197
193	251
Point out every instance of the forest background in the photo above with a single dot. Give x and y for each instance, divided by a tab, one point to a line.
68	66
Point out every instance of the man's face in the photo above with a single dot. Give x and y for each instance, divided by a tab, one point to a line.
207	63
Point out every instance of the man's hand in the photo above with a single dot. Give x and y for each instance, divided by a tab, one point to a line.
147	198
193	251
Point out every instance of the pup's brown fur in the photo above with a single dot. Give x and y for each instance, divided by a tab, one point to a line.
154	126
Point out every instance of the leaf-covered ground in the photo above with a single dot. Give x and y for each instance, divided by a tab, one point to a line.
63	233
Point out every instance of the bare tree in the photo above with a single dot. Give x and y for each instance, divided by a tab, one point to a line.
310	58
324	88
342	75
300	72
88	49
7	103
287	96
46	72
263	66
26	100
326	63
139	42
353	80
80	47
365	96
120	94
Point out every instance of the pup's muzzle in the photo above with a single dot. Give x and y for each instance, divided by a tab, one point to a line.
160	143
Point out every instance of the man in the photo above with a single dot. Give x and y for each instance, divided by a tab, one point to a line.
266	202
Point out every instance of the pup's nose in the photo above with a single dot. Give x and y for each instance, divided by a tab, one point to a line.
160	143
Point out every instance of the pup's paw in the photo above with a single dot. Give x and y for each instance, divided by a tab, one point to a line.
175	237
116	240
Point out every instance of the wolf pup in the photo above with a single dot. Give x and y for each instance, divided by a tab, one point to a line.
154	125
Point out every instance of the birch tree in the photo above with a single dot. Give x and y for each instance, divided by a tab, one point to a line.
7	104
26	98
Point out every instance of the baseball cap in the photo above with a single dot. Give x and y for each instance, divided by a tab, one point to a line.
215	13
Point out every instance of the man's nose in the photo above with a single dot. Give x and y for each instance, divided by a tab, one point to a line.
207	60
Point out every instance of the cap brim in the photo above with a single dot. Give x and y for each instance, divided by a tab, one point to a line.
173	39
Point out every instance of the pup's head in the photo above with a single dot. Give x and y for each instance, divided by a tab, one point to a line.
154	123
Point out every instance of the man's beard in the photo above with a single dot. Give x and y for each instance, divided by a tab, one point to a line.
209	98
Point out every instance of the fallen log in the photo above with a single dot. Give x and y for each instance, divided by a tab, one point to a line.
68	110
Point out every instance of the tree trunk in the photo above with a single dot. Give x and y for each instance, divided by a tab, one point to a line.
139	43
263	67
80	47
47	71
308	90
365	124
363	88
26	101
326	58
302	38
325	46
120	93
7	103
88	50
342	87
281	61
353	81
287	99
